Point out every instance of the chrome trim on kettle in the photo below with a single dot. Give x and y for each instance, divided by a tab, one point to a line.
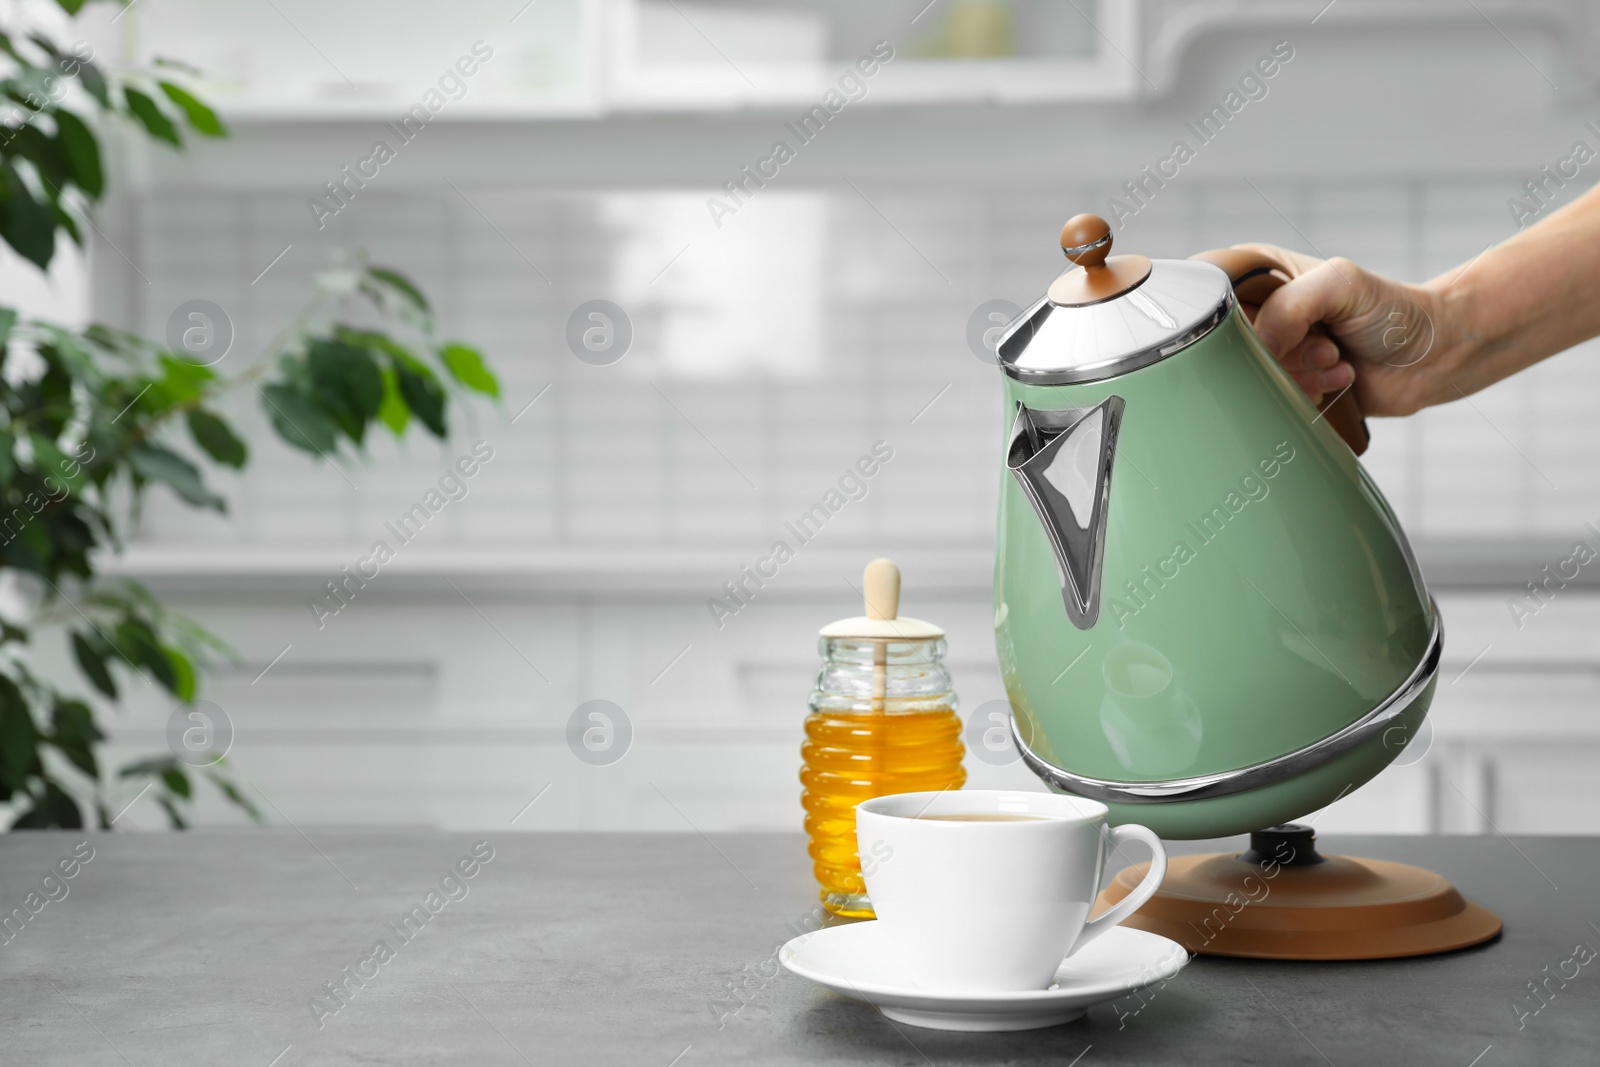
1178	303
1269	772
1111	368
1062	460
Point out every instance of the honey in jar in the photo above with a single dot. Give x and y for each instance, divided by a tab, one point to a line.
883	720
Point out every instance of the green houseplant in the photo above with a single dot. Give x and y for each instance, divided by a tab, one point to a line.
91	419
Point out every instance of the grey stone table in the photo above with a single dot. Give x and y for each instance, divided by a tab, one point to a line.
658	951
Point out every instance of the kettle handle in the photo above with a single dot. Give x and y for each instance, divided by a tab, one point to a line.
1256	274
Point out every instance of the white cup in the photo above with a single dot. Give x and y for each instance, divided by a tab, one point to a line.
991	905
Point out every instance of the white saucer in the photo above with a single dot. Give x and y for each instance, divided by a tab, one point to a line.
850	960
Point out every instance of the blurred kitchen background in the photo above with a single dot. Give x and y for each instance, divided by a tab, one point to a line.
775	342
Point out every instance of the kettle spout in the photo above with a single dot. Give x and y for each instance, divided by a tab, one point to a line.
1062	460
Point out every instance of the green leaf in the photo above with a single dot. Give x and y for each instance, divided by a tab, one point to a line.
423	396
82	153
65	220
216	438
466	366
8	463
49	460
37	147
173	814
178	474
348	381
400	284
177	781
26	224
118	342
199	115
75	734
378	343
131	400
95	83
232	792
183	671
393	412
8	319
72	7
182	381
147	768
298	421
19	738
77	356
91	654
151	117
138	643
54	810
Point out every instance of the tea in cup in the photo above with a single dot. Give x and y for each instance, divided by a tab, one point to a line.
989	890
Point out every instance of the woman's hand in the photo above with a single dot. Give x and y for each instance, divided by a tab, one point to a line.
1390	339
1408	346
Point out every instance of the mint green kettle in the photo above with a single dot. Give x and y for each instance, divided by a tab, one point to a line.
1207	616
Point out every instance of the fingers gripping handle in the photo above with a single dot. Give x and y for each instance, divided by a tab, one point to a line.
1254	276
1115	837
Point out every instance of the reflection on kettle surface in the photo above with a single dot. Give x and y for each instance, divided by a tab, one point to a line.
1153	726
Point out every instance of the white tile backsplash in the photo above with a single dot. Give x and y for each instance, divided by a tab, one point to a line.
791	362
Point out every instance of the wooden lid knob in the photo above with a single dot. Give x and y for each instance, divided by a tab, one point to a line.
1086	240
880	585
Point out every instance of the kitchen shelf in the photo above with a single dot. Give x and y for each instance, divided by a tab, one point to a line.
595	56
245	110
1456	564
603	571
1065	53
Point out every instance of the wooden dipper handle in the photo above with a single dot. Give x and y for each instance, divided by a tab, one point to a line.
880	584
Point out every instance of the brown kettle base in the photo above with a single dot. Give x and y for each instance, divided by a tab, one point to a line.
1316	908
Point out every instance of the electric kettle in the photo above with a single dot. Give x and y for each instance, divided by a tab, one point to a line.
1207	616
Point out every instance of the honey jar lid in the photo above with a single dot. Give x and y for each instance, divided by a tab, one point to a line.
880	589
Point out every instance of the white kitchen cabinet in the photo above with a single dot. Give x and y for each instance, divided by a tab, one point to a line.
412	707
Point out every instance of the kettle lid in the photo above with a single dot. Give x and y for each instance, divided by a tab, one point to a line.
1106	316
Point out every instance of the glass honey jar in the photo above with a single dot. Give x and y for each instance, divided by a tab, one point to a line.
883	720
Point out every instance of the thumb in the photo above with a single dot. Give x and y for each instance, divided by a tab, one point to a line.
1330	292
